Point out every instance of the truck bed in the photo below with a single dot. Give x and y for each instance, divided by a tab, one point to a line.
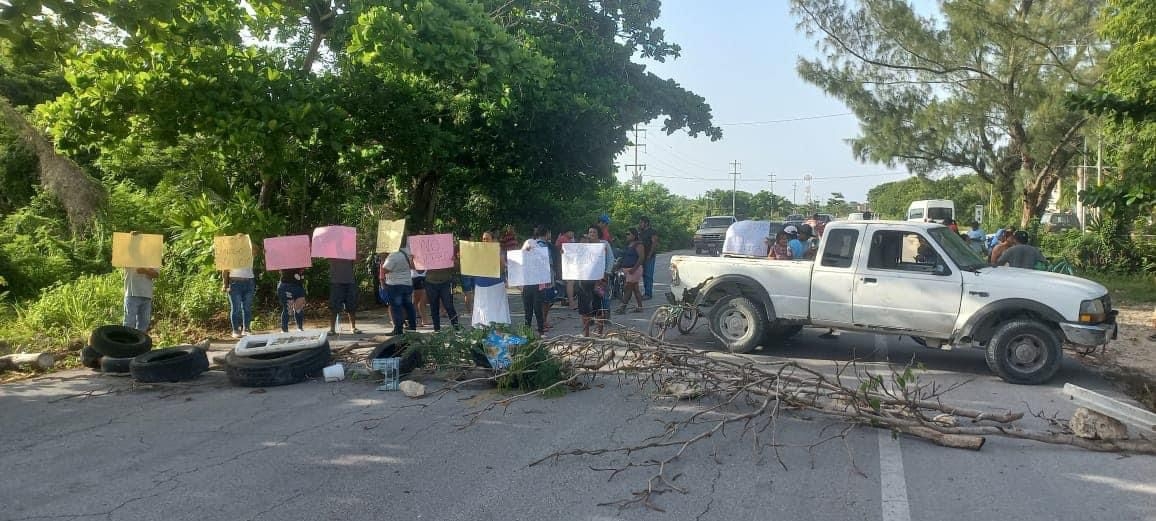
788	282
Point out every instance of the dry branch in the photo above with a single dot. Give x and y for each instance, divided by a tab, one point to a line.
751	394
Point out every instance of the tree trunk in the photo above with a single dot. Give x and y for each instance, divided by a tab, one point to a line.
423	204
39	361
1036	193
265	197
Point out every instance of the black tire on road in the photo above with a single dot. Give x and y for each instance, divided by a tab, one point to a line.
119	341
272	369
90	358
171	364
738	323
1024	352
114	365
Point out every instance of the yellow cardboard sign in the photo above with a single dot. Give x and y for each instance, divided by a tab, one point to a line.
137	250
389	235
232	252
481	259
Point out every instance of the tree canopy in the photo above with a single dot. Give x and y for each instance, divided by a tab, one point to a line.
977	86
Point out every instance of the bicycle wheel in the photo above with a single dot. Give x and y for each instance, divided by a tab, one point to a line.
687	319
659	321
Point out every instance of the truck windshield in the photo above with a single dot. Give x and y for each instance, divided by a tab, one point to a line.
716	222
939	213
963	256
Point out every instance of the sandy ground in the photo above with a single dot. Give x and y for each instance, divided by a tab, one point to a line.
1132	349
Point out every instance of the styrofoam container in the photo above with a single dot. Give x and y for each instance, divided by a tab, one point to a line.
334	373
280	342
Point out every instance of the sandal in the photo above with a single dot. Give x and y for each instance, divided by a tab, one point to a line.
356	331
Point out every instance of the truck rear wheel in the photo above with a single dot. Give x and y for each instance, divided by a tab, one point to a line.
738	323
1024	352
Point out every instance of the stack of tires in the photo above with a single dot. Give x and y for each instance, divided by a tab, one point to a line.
115	349
276	359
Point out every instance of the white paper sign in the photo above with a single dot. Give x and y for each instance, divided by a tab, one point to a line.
583	261
525	268
747	238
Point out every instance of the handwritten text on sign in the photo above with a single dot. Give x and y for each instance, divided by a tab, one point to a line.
432	252
582	261
283	253
527	268
481	259
231	252
335	242
137	250
389	235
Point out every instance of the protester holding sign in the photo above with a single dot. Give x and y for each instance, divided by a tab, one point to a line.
490	303
591	293
291	295
342	293
535	297
138	297
238	279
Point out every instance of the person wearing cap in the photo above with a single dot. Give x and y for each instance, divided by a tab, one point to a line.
1021	254
604	228
798	248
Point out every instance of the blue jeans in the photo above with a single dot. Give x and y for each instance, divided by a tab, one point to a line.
241	303
648	277
401	300
286	292
138	312
439	294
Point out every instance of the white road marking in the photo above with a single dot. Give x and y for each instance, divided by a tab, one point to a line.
892	482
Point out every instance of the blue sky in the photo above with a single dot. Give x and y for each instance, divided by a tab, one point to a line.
740	55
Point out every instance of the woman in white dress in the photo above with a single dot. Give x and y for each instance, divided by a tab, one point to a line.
491	304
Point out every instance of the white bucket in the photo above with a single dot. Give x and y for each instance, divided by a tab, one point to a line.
334	373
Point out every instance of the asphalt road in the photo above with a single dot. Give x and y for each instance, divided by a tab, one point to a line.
77	445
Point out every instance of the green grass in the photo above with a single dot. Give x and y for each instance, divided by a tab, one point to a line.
1127	289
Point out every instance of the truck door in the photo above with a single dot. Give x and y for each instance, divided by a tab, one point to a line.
904	284
833	277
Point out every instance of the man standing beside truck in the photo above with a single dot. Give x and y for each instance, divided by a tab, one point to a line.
649	239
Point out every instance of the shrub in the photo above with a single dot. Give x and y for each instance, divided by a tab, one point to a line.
67	311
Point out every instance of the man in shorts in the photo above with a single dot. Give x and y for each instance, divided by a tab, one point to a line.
342	293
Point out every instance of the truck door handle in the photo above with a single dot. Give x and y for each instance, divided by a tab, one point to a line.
978	293
869	280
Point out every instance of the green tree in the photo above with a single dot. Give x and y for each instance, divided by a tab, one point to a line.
837	204
890	200
977	86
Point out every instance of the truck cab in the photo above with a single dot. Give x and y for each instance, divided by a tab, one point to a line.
711	233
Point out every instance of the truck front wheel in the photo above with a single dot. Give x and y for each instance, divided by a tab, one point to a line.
1024	352
738	323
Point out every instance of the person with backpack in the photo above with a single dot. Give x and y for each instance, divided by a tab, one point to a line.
396	275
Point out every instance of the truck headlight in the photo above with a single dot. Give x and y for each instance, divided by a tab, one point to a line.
1093	311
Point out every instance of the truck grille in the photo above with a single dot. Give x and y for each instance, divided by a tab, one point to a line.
711	236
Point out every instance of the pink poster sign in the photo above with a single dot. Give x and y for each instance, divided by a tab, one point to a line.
335	242
282	253
432	252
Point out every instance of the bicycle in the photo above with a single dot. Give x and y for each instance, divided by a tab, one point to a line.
679	315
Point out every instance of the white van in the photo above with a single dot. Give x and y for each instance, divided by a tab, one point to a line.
931	210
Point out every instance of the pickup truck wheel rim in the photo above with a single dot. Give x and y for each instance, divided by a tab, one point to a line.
734	324
1027	353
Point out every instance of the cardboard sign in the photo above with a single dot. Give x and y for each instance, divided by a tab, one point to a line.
335	242
583	261
389	235
747	238
282	253
137	250
432	252
526	268
232	251
482	259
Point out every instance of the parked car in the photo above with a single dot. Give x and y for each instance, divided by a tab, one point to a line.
1054	222
931	210
902	278
711	233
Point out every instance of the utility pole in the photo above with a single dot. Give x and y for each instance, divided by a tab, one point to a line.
734	186
795	193
772	196
636	177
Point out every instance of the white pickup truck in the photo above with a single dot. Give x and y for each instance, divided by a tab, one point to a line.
902	278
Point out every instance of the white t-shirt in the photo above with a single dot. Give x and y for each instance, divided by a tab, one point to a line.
241	273
399	271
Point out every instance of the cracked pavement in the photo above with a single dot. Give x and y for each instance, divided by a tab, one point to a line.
80	446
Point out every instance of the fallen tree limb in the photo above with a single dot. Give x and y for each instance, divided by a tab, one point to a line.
38	361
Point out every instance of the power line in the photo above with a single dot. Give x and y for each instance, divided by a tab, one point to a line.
774	121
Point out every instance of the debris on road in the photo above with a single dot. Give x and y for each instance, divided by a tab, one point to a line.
412	389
